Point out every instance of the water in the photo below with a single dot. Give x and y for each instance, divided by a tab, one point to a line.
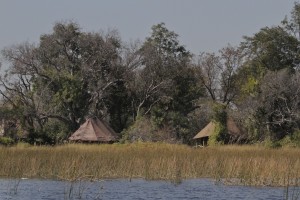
135	189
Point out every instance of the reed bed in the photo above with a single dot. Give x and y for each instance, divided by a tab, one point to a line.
248	165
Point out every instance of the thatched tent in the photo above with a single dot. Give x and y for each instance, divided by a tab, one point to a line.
94	130
209	129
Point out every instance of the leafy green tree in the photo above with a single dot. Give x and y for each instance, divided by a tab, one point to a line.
271	48
161	56
65	78
166	43
79	67
165	86
268	78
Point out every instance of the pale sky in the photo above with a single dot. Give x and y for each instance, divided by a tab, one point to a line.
203	25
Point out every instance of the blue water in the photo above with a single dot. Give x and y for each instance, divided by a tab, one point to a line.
134	189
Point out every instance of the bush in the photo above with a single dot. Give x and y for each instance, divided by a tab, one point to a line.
296	137
141	130
220	135
217	137
55	131
6	141
144	129
271	143
291	141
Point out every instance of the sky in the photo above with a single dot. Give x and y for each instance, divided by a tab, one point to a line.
202	25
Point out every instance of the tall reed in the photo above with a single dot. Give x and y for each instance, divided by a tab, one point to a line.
249	165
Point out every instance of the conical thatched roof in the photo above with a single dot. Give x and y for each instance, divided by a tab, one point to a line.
94	130
209	129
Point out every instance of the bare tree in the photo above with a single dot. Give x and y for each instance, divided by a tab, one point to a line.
231	59
209	69
218	73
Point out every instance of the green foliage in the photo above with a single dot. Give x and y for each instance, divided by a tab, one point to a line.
159	116
215	138
296	137
293	24
151	92
287	142
119	106
250	86
291	141
220	114
6	141
181	126
56	131
65	77
166	42
220	135
141	130
38	137
169	64
253	133
270	143
185	91
273	48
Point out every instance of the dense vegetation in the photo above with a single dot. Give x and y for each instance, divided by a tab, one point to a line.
155	90
229	164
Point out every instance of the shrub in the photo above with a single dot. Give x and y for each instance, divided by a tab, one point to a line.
141	130
269	143
291	141
55	131
144	129
220	135
296	137
6	141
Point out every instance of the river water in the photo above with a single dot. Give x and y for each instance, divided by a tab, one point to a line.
138	189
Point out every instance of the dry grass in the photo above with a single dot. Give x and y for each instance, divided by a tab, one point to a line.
247	165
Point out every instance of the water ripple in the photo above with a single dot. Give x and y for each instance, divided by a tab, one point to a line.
136	189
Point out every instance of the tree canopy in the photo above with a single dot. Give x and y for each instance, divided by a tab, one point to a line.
155	89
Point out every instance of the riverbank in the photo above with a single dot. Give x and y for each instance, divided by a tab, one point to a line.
246	165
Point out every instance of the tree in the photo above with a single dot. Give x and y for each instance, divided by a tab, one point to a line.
209	68
66	77
161	55
165	87
280	103
17	86
166	43
266	102
218	74
271	48
293	25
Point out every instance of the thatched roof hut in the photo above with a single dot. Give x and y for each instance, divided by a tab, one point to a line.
94	130
209	129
